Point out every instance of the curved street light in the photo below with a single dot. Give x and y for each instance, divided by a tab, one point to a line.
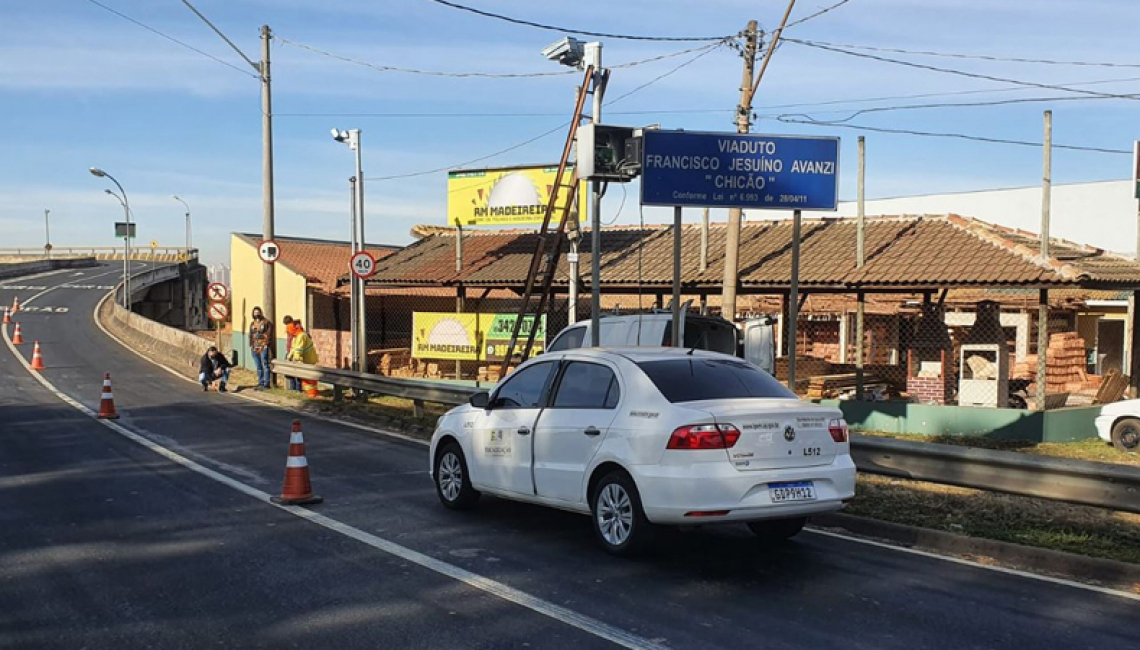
189	245
99	173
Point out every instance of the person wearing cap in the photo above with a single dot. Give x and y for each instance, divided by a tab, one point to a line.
213	366
302	349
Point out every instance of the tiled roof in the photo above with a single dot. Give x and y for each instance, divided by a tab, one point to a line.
320	261
903	252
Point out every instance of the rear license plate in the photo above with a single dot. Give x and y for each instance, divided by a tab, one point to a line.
801	491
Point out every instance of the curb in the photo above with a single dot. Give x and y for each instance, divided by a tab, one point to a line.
1108	573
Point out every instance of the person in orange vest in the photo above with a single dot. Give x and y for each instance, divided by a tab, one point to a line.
301	349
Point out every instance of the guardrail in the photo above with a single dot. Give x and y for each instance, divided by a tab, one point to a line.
418	391
1056	479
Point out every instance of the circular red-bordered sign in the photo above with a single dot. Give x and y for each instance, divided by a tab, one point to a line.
363	265
217	292
268	251
219	311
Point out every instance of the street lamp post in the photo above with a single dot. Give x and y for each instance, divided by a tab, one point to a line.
47	233
359	324
95	171
189	240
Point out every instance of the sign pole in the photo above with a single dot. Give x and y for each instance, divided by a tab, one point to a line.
794	301
676	276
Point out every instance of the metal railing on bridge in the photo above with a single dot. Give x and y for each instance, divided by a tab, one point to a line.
148	254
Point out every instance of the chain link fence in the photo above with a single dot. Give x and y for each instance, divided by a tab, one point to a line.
963	351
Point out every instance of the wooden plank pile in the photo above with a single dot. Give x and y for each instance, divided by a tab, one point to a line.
1065	364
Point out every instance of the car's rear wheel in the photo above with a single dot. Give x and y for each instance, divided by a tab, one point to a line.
452	482
1126	435
777	530
619	521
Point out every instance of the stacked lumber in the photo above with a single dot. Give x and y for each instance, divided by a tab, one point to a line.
1065	363
827	386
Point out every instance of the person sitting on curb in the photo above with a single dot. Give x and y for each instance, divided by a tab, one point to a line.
212	367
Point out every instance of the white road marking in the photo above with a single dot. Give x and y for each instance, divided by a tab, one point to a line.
495	588
859	540
22	278
957	560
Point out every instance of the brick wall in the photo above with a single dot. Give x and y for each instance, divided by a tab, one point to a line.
929	390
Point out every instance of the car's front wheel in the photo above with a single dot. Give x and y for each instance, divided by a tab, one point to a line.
774	531
452	482
1126	435
619	521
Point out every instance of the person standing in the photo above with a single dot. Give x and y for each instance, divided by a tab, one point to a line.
260	341
291	383
302	350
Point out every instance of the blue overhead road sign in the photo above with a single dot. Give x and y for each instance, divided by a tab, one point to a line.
730	170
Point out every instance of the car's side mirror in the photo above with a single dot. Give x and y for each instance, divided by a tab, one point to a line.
480	400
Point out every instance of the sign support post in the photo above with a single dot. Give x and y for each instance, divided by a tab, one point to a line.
794	301
677	316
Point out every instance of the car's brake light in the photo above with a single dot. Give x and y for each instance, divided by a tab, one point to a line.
704	436
838	430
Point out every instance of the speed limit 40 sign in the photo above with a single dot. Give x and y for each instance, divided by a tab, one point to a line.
363	264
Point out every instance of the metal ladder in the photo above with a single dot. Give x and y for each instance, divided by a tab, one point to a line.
544	263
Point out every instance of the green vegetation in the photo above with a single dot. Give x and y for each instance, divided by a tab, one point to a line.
1095	532
1095	449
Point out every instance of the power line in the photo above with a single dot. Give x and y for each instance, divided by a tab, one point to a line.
664	111
170	38
489	75
545	133
960	73
817	14
217	31
960	136
981	57
997	102
582	32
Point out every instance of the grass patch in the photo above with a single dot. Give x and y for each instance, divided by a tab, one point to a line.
1095	532
1093	449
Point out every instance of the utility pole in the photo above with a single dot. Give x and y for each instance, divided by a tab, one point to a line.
705	240
574	235
860	260
593	57
743	125
361	313
352	297
1043	297
47	233
268	275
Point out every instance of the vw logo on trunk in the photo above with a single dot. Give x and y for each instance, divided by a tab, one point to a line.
789	433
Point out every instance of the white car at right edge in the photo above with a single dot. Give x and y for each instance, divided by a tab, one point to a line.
639	437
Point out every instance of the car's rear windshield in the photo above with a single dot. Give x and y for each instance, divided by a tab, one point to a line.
697	378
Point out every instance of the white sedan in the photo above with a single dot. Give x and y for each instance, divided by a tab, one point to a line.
642	436
1119	424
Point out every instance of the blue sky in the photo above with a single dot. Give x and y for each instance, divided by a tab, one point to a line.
80	86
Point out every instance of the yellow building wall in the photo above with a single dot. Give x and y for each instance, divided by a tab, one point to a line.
246	290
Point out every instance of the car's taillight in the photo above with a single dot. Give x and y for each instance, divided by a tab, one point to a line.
838	430
704	436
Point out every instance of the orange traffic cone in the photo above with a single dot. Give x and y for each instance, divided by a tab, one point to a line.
37	358
17	336
107	401
311	388
15	304
297	491
7	318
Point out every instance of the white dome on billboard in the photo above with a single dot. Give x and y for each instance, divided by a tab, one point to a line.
513	189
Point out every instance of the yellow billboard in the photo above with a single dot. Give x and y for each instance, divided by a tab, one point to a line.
503	196
470	337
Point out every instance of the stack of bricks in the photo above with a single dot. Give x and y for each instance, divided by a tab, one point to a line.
1065	364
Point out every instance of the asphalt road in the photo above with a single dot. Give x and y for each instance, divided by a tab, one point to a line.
106	544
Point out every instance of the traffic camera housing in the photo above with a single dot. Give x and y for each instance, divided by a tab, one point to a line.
609	153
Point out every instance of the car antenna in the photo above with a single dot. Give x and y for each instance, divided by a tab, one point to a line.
691	350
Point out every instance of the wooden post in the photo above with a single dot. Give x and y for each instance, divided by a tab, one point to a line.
1042	345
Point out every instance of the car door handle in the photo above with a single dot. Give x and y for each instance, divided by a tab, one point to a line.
524	431
592	431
